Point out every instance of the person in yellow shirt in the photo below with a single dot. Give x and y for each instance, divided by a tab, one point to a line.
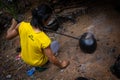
35	44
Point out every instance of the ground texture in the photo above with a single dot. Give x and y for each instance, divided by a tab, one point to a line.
101	19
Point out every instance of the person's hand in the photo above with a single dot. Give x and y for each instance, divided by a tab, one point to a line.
14	22
64	64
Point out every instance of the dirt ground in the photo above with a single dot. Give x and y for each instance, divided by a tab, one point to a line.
101	19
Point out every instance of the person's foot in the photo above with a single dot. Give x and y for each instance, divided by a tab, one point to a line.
18	57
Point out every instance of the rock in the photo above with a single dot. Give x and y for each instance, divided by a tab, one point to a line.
9	76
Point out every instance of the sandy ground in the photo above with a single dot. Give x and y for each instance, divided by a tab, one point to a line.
102	20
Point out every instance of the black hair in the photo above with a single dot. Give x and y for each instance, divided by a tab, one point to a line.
40	14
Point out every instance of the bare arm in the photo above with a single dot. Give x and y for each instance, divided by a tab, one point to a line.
54	60
13	30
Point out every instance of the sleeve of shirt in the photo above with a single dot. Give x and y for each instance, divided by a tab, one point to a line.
20	26
46	42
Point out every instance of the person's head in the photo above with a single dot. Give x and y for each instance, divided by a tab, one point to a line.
40	15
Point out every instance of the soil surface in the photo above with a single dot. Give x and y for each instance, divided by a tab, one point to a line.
100	19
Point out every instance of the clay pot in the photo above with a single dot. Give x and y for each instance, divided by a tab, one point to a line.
88	43
53	25
115	68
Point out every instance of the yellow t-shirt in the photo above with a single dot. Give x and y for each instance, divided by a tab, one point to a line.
32	45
